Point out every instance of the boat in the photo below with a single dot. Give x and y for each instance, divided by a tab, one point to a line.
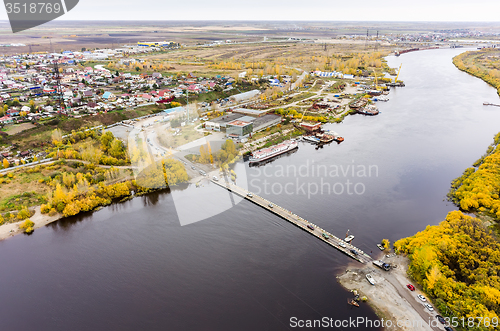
312	139
352	302
374	92
382	98
326	138
370	279
349	238
368	110
358	104
380	247
268	153
335	135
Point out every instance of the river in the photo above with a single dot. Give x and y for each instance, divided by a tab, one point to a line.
132	266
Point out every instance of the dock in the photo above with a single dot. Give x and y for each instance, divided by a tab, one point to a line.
490	104
298	221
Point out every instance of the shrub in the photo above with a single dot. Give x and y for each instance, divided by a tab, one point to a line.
45	208
27	224
52	212
23	213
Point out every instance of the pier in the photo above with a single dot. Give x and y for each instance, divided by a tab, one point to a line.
350	250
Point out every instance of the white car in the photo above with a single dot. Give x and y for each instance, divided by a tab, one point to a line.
341	244
215	178
421	297
428	306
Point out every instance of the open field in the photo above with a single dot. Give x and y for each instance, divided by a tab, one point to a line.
74	35
14	129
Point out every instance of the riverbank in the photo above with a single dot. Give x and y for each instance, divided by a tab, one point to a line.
11	229
389	297
479	64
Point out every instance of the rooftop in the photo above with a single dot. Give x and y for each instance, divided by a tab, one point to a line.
226	118
239	123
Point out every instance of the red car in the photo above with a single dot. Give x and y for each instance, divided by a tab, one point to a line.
411	287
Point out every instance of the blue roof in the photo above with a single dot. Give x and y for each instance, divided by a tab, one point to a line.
106	95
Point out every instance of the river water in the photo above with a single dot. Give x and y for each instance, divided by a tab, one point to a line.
132	266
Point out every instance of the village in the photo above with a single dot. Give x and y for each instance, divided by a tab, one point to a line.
43	88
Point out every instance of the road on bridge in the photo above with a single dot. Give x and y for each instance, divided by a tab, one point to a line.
316	231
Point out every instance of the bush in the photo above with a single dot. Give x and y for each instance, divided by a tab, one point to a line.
45	208
23	213
28	224
52	212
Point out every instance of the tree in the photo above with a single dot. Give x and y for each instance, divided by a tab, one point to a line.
116	149
90	153
387	244
5	163
56	137
106	140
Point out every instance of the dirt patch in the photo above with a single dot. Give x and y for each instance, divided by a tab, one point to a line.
16	128
389	296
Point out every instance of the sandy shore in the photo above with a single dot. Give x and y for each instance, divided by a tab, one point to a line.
389	296
11	229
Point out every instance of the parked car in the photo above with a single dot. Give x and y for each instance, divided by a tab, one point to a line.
250	195
410	287
341	244
215	178
428	306
421	297
310	226
441	319
270	205
325	236
353	251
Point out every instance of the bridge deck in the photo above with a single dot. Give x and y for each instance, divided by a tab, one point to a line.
300	222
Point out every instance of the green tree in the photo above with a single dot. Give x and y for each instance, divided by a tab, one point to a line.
106	140
117	149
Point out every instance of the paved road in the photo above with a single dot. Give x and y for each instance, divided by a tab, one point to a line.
412	299
318	232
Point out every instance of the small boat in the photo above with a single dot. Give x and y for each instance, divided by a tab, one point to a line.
352	302
361	102
312	139
370	279
349	238
325	137
368	110
380	247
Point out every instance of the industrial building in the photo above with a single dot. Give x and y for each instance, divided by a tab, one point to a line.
266	121
219	123
244	96
237	129
234	124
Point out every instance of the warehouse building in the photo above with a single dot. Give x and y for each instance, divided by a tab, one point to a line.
239	129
